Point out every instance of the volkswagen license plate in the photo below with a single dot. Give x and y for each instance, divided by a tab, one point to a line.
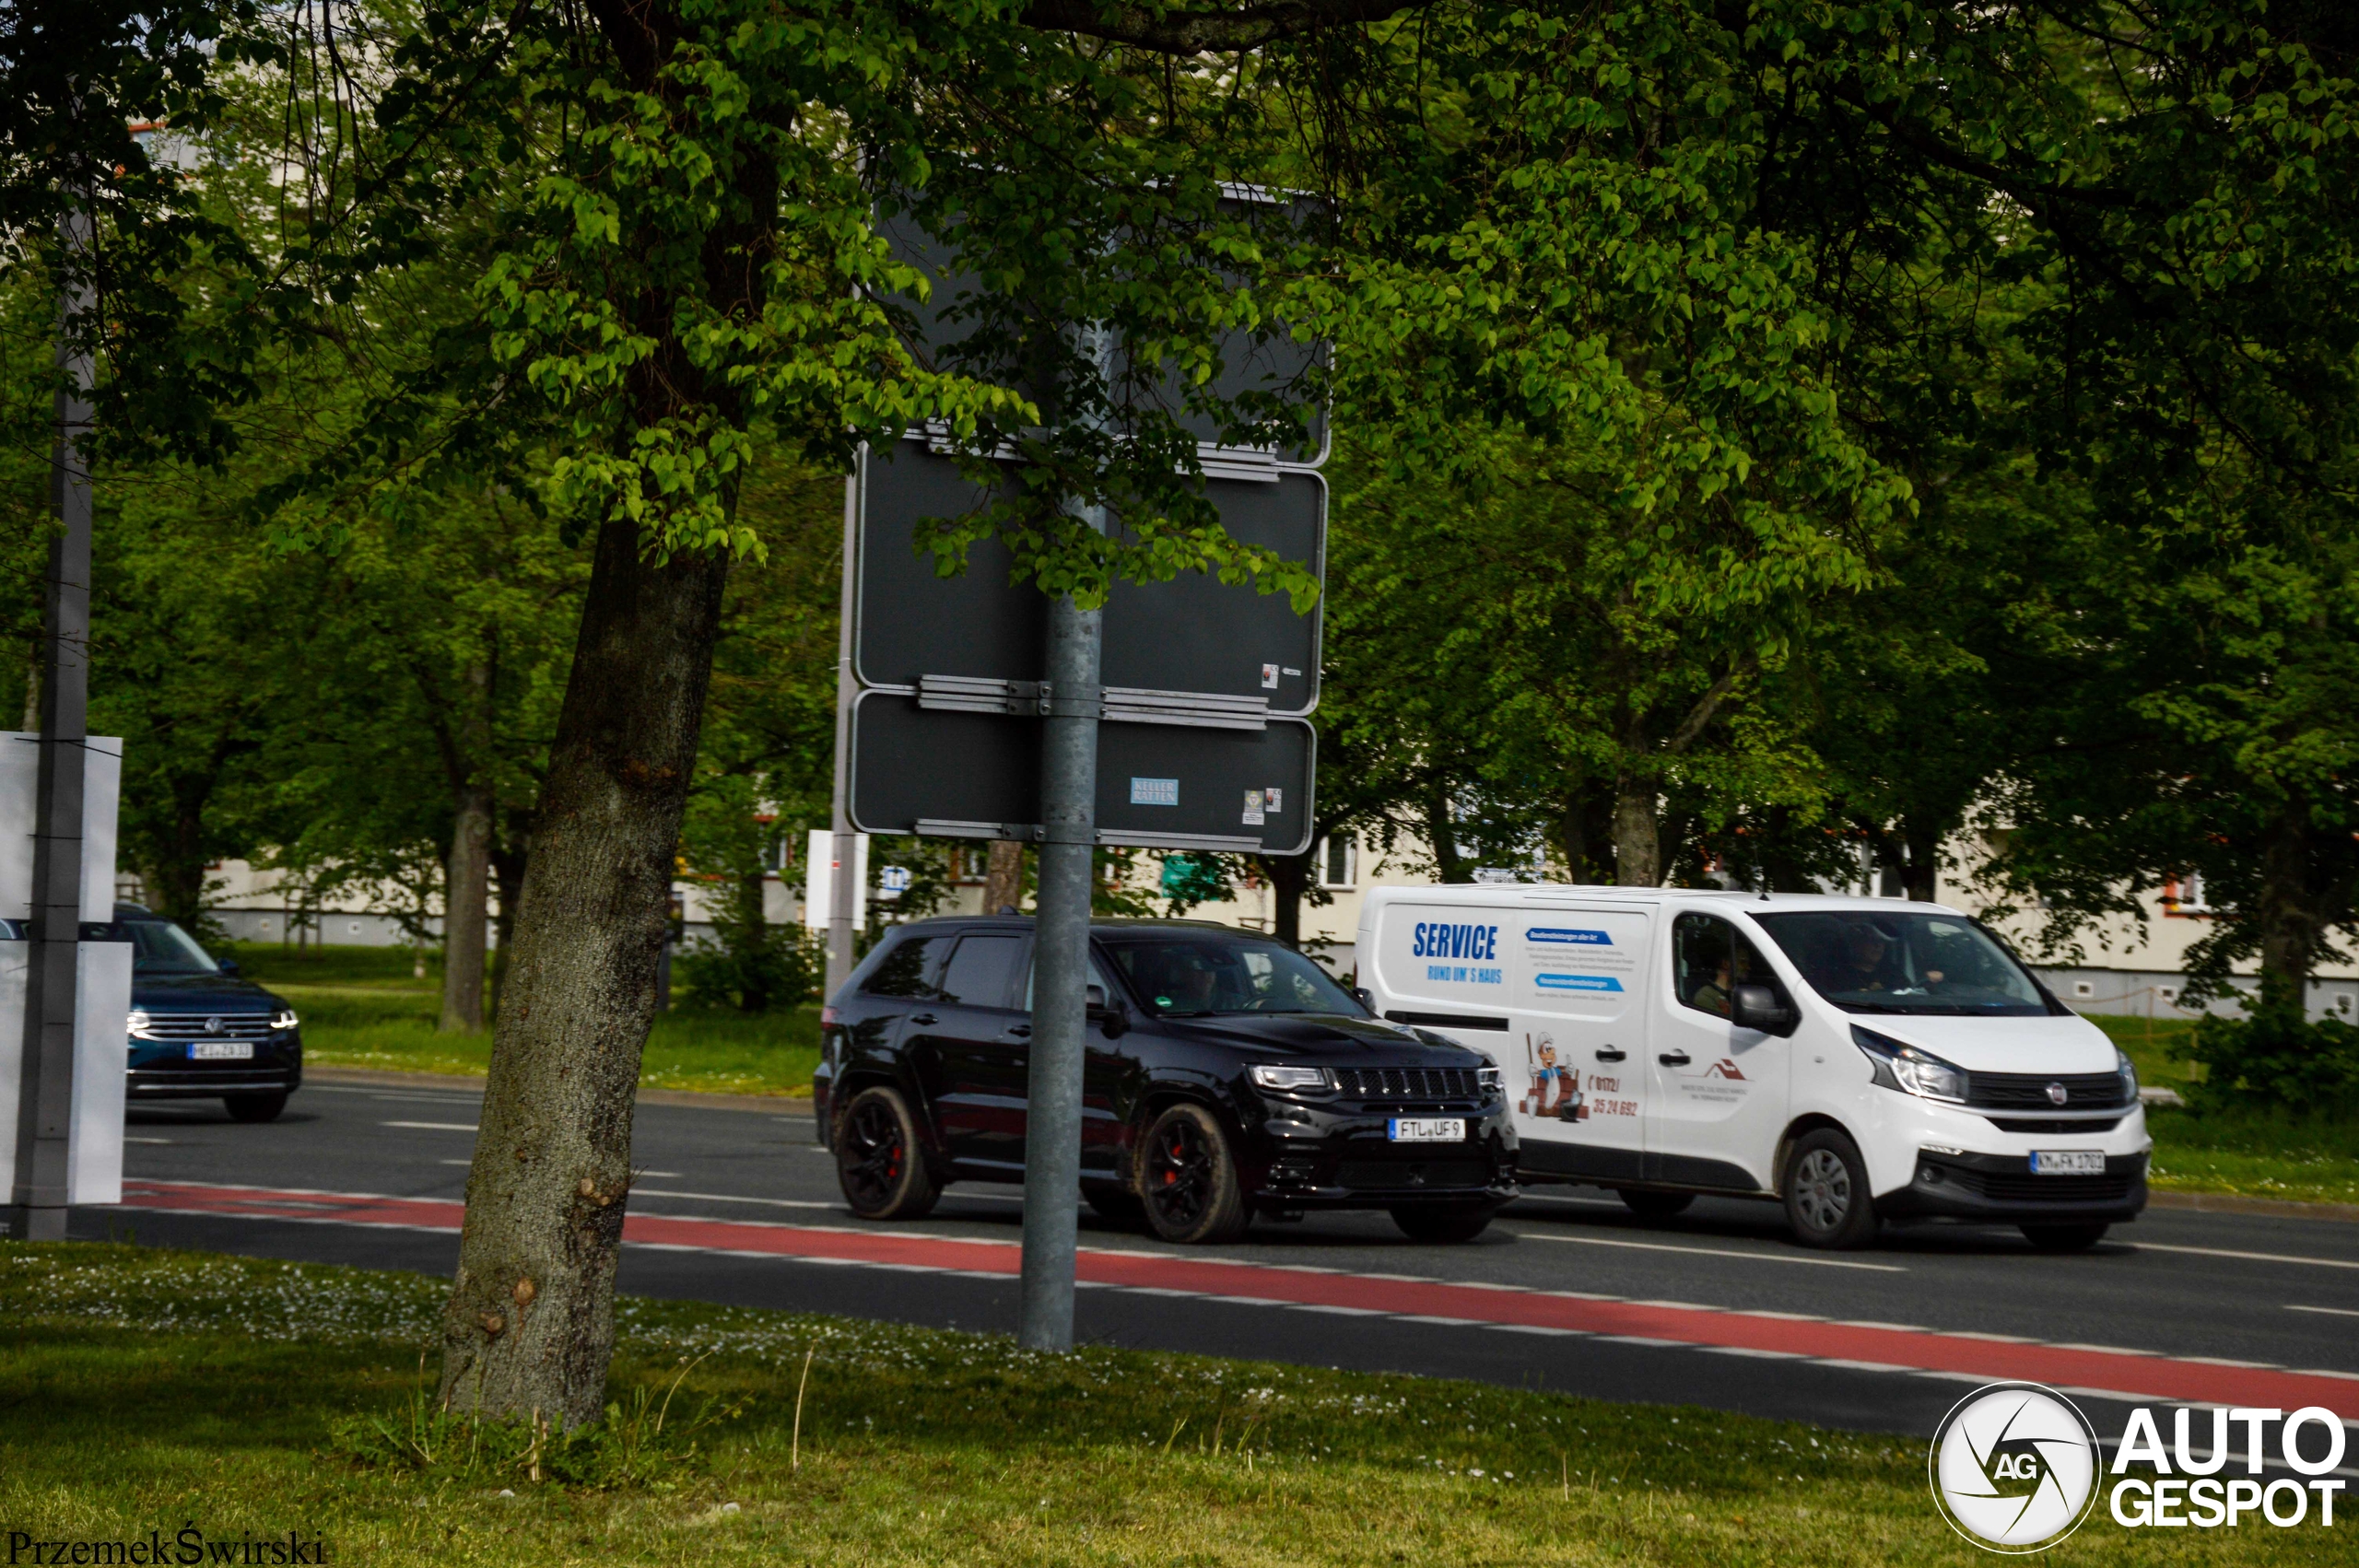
220	1050
1428	1130
2068	1163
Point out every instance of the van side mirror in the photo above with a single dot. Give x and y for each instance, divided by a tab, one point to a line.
1757	1007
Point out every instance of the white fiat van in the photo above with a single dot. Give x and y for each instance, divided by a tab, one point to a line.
1860	1060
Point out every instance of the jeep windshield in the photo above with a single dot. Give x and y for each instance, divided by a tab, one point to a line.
1199	975
1875	961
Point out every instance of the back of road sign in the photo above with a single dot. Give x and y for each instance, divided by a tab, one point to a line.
1191	634
968	775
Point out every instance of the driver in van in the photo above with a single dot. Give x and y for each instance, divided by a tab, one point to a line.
1868	961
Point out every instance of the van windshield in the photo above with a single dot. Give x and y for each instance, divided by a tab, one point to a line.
1196	975
1871	961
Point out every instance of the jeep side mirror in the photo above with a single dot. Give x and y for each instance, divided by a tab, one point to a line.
1112	1014
1757	1007
1365	997
1098	998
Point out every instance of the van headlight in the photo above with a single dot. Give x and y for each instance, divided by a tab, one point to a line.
2128	1071
1295	1079
1909	1069
284	1019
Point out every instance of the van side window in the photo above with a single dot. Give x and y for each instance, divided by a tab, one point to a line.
981	970
1709	959
907	968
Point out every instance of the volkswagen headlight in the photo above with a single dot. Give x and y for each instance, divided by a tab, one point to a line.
1295	1079
284	1019
138	1022
1911	1070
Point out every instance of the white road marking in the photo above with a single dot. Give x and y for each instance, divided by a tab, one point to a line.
1714	1252
2248	1257
667	1175
128	1139
433	1126
2330	1311
733	1198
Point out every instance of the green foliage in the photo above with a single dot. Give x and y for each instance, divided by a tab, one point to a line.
2276	1059
1186	880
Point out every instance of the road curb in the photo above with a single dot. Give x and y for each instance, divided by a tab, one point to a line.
2232	1204
468	1082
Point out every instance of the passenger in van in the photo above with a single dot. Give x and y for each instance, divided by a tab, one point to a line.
1712	996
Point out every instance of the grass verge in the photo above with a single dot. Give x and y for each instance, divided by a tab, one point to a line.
2305	1159
148	1387
366	1007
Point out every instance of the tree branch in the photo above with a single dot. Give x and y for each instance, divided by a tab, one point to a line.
1172	29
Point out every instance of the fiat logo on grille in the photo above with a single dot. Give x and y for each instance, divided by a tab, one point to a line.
213	1026
2056	1093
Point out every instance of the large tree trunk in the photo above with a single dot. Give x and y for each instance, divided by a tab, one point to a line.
2288	917
1637	852
466	888
1921	874
1289	878
466	882
1004	877
1441	837
529	1324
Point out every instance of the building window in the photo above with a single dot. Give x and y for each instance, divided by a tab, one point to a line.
2083	988
1338	856
2186	896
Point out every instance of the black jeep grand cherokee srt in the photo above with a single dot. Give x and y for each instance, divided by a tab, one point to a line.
1227	1076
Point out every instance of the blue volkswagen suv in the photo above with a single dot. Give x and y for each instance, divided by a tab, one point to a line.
198	1030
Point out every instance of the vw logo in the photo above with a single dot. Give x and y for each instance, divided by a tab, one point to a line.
2057	1094
2015	1467
213	1025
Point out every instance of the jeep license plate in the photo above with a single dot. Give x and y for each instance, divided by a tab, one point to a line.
1428	1130
2068	1163
220	1050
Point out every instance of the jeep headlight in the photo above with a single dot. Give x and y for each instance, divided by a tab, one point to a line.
1912	1071
1294	1079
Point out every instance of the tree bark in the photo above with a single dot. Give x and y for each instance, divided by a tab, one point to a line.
508	860
1289	878
1004	877
1450	866
2289	920
466	888
530	1323
1921	874
1638	853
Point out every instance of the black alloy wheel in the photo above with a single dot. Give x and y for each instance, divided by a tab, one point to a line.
2066	1237
1189	1180
879	1159
254	1107
1826	1194
1442	1221
1656	1207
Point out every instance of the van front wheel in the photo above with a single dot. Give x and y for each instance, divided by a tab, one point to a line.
1827	1200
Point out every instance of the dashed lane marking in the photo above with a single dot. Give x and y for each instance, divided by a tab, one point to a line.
433	1126
1714	1252
2249	1257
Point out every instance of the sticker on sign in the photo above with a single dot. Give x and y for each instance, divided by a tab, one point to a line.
1155	791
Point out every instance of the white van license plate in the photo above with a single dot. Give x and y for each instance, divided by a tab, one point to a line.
1428	1130
220	1050
2068	1163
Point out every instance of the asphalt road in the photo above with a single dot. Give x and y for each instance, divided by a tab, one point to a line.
2220	1296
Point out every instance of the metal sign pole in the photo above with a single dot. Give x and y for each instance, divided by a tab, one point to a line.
45	1092
1059	976
841	889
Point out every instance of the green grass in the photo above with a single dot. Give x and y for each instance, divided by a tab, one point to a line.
144	1388
2309	1160
366	1007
